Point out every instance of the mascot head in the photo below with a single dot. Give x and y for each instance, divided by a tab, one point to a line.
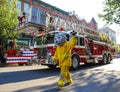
60	39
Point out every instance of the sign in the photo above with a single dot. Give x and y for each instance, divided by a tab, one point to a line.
29	30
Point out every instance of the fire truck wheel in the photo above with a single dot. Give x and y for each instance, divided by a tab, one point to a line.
108	59
30	62
75	62
104	61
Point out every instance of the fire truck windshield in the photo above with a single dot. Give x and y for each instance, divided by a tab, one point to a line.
48	38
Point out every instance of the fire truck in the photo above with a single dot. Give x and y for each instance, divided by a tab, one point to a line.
89	49
14	55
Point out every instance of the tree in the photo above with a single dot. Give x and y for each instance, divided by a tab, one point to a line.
2	2
117	47
8	19
111	12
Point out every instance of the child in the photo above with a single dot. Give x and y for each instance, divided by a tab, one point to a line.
63	55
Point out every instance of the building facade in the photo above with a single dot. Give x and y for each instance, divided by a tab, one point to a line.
33	18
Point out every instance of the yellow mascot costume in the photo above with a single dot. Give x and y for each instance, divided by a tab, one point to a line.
63	55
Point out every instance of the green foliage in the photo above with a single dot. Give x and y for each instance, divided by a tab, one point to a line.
8	18
111	12
117	47
3	2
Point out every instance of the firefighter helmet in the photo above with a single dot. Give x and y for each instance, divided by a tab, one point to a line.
60	38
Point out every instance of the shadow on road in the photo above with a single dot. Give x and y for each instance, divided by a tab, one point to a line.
18	76
85	79
45	88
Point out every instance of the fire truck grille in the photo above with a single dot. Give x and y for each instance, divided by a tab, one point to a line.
42	52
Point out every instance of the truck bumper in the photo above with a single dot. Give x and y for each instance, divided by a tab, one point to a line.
45	62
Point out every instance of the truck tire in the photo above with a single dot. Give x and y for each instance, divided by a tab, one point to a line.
30	62
75	62
108	59
104	61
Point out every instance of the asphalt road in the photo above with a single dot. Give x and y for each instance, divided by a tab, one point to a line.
37	78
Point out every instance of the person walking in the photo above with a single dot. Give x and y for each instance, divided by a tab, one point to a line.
63	56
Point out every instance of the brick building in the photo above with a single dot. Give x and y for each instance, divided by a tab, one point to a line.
35	18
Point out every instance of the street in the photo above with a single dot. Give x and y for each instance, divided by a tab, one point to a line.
37	78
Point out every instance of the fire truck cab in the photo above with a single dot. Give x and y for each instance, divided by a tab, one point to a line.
86	51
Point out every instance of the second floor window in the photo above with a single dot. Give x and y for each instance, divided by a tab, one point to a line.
26	5
19	6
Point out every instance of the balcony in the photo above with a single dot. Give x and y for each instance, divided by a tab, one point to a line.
33	16
31	20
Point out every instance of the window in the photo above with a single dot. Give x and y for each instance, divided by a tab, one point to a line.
20	42
26	5
50	38
42	18
19	6
67	37
81	40
46	39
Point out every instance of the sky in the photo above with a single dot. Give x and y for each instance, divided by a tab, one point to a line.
84	9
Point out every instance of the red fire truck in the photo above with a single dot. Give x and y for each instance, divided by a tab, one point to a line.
87	50
17	56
